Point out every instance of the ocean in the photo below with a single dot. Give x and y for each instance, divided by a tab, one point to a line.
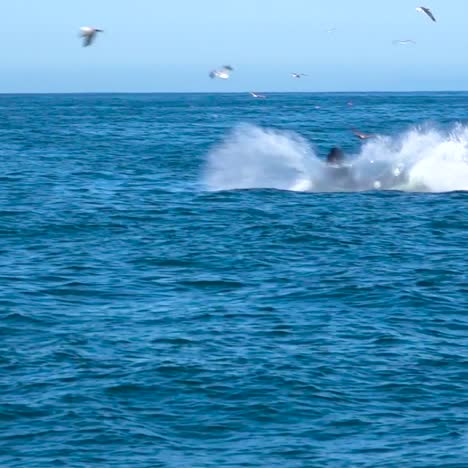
185	283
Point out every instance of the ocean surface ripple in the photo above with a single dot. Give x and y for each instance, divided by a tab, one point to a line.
184	285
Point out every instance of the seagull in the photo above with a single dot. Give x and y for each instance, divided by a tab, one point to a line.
298	75
89	35
404	42
427	11
360	135
223	73
258	96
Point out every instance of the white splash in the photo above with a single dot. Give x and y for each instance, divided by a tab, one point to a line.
252	157
420	160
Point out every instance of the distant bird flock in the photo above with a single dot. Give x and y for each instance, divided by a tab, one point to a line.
89	34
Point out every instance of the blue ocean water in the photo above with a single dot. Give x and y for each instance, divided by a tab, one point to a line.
185	283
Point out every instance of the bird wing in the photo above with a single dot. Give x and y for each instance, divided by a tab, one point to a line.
88	40
212	74
429	13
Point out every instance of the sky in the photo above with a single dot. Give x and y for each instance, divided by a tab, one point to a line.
170	46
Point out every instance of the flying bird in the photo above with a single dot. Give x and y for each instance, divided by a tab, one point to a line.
404	42
258	96
362	136
89	35
298	75
331	30
223	73
427	11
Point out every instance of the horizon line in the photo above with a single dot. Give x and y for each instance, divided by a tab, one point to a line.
31	93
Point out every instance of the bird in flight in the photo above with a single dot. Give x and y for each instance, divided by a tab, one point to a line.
404	42
89	35
223	73
298	75
428	12
258	96
362	136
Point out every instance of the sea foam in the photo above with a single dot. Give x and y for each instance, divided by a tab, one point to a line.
420	159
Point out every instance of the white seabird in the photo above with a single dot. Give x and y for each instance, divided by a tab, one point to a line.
404	42
428	12
258	96
298	75
89	35
223	73
362	136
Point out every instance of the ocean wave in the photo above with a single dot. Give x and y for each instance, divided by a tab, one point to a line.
418	160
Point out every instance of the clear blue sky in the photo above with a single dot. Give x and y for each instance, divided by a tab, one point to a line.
155	45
